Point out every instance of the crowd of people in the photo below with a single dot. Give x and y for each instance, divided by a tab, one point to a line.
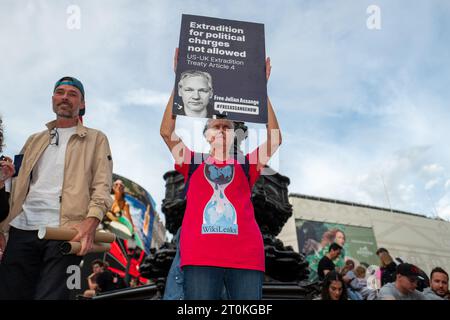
398	280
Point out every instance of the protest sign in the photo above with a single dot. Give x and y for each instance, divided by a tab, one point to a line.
221	70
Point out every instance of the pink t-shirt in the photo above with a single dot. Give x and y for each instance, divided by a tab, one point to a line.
219	227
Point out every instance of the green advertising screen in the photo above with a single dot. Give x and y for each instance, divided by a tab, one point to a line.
314	238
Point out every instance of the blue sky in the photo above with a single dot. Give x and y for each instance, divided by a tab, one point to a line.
357	107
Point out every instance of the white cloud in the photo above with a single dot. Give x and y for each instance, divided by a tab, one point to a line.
406	192
349	173
431	184
146	97
447	184
432	168
443	207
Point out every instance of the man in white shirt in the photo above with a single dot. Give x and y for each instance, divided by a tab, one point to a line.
64	180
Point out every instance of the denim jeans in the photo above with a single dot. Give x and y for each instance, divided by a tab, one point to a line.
174	280
207	283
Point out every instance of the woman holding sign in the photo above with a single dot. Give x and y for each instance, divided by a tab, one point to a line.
220	243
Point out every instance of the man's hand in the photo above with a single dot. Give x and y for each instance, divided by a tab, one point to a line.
7	168
86	234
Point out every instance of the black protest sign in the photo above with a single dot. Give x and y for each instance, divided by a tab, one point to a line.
221	70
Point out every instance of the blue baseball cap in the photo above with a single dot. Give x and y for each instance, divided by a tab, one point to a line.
71	81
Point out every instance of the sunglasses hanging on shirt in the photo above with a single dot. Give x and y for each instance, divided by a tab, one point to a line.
54	137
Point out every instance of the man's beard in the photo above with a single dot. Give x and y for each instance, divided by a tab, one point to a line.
65	114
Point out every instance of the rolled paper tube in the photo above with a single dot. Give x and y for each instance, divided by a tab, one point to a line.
69	247
67	234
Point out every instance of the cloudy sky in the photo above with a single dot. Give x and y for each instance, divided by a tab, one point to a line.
364	112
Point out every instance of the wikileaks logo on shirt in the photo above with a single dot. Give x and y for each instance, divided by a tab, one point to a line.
211	229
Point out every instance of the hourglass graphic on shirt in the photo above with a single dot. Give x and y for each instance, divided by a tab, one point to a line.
219	215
